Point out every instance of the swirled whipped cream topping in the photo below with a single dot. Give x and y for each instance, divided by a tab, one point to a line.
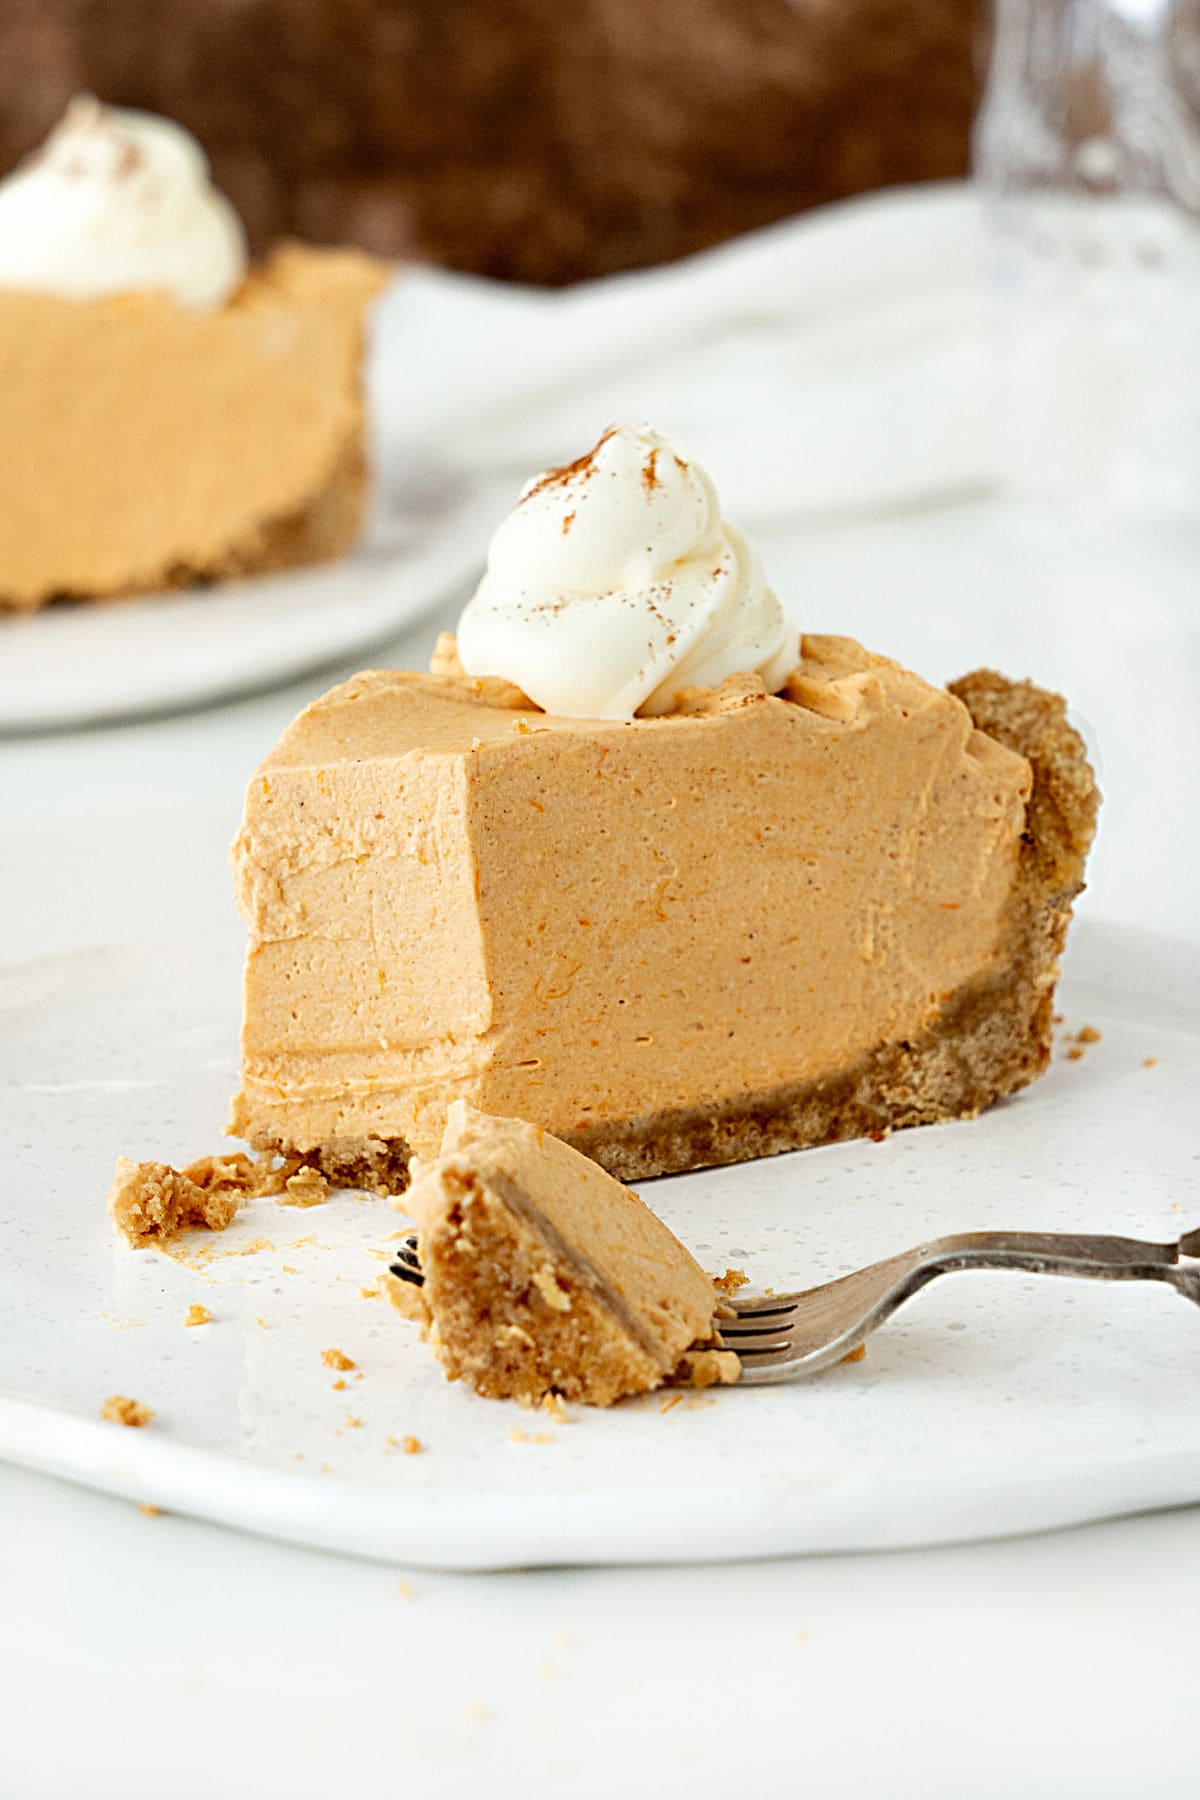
116	202
615	583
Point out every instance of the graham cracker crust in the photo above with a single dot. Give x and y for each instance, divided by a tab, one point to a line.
991	1039
373	1165
518	1315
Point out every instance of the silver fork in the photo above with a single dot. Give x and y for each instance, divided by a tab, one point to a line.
784	1337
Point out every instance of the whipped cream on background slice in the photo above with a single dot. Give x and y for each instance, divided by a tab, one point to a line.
615	583
116	202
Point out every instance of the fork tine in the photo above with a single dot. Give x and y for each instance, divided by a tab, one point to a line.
754	1343
408	1262
767	1347
761	1305
756	1328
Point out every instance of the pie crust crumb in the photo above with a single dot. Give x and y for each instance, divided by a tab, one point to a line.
119	1409
307	1187
705	1368
731	1282
151	1202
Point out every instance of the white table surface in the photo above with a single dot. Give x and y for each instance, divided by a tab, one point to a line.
145	1656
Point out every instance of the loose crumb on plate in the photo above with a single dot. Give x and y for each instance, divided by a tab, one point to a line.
151	1202
730	1282
1087	1034
1075	1053
119	1409
198	1315
855	1355
411	1446
307	1187
151	1511
707	1367
253	1247
337	1359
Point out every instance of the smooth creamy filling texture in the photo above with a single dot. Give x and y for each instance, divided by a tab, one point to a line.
138	437
575	922
119	202
616	582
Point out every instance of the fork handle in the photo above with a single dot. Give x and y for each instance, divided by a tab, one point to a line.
1048	1252
789	1335
1059	1253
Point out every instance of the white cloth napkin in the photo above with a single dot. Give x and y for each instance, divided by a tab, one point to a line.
838	363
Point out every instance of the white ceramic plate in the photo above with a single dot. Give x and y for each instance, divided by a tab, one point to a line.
80	664
993	1404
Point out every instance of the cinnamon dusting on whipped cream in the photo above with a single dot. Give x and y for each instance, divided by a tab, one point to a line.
604	598
580	469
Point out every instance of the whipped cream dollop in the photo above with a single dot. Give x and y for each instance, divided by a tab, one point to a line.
615	583
115	202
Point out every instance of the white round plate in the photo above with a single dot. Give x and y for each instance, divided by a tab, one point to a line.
993	1404
79	664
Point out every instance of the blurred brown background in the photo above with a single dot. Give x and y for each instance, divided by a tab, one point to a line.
539	140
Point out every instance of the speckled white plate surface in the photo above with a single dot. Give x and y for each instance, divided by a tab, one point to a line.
994	1404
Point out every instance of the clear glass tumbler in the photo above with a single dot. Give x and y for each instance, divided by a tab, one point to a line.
1088	149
